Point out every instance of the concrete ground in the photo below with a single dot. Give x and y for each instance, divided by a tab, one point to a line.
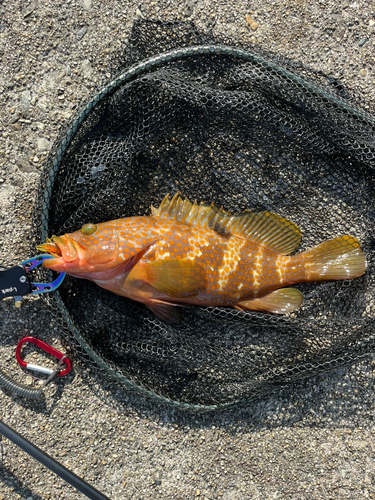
311	440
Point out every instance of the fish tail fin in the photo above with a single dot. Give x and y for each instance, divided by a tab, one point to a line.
338	259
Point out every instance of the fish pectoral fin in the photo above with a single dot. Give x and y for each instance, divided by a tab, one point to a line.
280	301
177	278
165	311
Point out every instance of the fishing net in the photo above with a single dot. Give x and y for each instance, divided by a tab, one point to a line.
221	122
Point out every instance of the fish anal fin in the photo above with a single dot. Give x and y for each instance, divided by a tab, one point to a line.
280	301
264	228
165	311
176	278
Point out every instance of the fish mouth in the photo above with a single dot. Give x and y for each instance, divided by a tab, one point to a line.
64	249
50	247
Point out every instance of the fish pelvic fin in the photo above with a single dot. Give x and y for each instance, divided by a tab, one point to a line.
264	228
165	311
338	259
280	301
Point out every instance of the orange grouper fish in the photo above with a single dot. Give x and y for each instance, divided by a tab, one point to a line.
185	253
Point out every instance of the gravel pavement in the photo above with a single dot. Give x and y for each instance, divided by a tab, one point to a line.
311	440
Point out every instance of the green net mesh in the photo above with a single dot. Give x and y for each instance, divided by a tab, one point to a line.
195	112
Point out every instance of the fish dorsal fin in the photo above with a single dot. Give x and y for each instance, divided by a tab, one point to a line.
268	230
264	228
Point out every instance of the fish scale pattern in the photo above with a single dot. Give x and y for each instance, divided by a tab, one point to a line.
199	113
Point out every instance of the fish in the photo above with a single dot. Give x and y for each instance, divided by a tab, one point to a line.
186	254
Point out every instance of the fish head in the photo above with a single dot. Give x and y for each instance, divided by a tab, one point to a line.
92	249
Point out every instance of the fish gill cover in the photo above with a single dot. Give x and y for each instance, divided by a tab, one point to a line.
195	112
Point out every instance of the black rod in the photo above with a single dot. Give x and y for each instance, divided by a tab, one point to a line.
51	463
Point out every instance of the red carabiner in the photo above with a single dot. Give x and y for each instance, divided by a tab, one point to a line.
39	343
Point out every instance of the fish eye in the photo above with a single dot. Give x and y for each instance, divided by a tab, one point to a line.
88	229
